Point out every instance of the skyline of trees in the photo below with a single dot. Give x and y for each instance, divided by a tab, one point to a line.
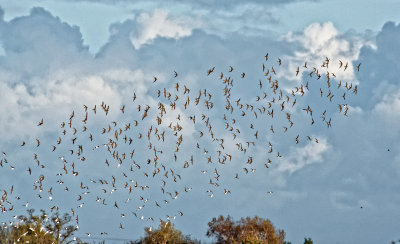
39	229
43	229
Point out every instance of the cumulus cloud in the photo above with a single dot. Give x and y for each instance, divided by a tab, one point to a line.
159	24
319	41
301	157
50	71
23	108
217	17
22	47
379	65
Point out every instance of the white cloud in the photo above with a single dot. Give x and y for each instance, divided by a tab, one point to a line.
319	41
159	24
299	158
22	108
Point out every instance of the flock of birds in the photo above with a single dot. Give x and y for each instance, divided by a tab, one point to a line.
142	154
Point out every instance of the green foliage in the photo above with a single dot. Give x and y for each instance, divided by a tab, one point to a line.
308	241
246	230
39	229
165	234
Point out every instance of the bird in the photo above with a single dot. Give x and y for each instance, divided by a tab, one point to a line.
358	67
346	65
210	71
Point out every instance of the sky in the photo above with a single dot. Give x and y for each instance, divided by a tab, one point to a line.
338	187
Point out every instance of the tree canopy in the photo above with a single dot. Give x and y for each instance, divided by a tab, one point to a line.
308	241
44	229
40	229
246	230
165	234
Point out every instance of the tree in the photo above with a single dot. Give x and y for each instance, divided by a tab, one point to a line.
223	229
308	241
39	229
246	230
165	234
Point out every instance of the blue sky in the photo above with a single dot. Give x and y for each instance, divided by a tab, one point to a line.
56	56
